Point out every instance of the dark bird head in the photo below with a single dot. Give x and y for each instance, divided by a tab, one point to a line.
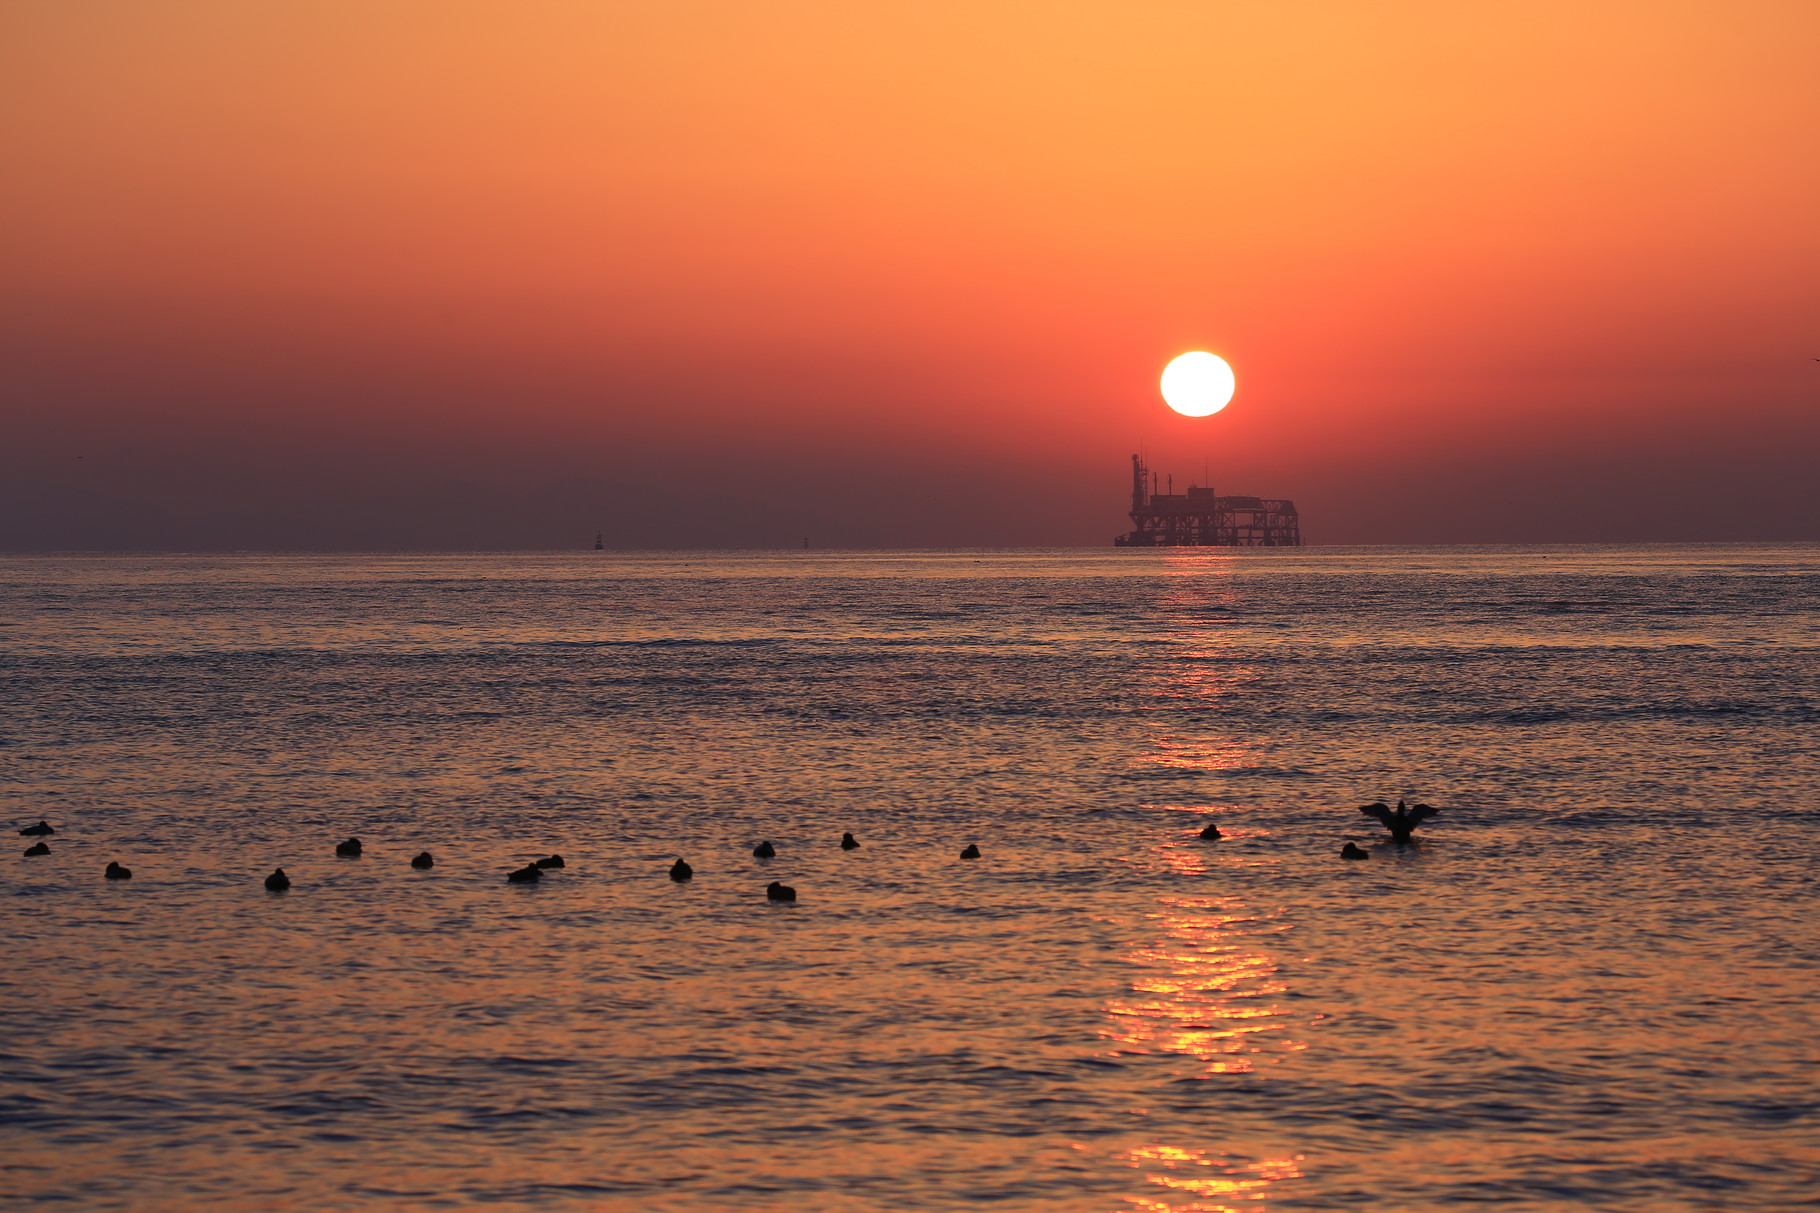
423	859
680	870
764	850
116	872
848	842
972	852
780	892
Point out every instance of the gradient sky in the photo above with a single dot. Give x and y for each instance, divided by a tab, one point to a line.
387	273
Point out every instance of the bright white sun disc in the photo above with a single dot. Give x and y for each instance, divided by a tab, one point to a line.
1197	384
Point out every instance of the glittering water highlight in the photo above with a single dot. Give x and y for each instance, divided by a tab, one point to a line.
1588	985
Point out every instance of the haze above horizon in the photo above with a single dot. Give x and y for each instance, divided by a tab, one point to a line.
403	275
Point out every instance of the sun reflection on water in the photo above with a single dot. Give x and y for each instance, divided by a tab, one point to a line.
1202	1182
1198	603
1206	993
1208	989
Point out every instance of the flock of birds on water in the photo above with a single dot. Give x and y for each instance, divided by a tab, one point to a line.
1400	821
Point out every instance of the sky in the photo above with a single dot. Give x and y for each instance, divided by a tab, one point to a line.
447	274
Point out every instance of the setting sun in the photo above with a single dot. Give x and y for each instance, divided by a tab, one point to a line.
1197	384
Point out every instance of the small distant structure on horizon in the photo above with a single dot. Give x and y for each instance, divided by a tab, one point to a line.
1201	519
600	544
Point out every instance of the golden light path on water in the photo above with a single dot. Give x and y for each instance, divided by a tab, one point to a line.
1592	986
1208	982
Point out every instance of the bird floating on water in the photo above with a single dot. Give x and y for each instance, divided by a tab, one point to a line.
1353	851
423	859
1399	821
681	871
39	830
1211	833
780	892
37	848
525	874
116	872
349	849
764	850
553	861
277	882
972	852
848	842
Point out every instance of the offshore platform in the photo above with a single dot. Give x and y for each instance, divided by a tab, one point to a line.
1199	519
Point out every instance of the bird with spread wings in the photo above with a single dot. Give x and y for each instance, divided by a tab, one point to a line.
1400	820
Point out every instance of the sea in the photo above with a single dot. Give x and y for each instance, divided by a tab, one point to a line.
1591	982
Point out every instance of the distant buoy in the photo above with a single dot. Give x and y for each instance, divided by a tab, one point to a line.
848	842
764	850
680	871
972	852
423	859
780	892
116	872
349	849
277	882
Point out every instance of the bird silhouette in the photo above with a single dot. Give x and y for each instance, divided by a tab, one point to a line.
972	852
349	849
37	848
1352	851
681	871
553	861
525	875
1211	833
780	892
39	830
848	842
277	882
764	850
116	872
423	859
1399	821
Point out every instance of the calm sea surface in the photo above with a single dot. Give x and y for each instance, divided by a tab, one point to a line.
1592	984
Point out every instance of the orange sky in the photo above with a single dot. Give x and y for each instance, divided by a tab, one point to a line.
378	273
